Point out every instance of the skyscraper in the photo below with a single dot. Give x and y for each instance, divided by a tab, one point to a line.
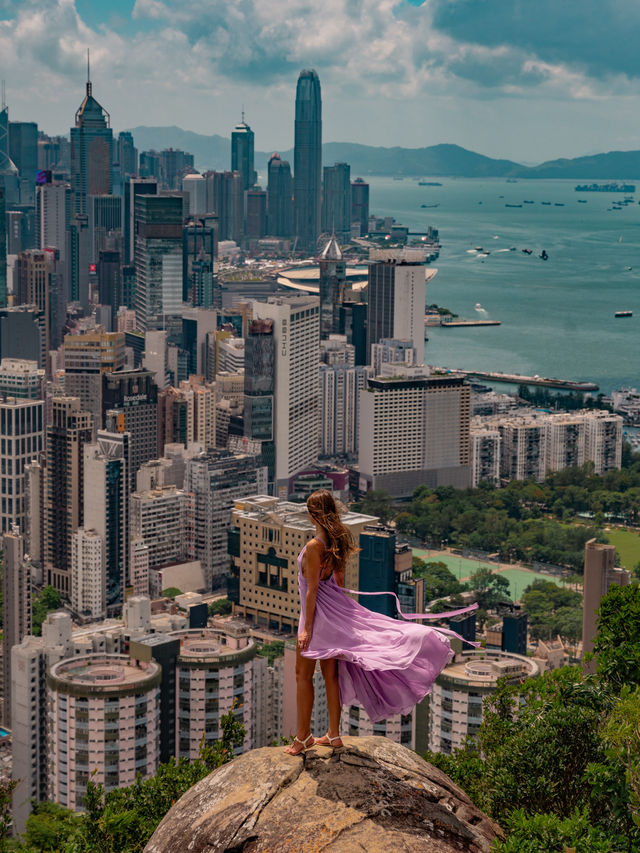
23	150
16	606
332	284
199	238
259	384
242	142
158	260
296	390
360	205
279	198
3	250
127	154
53	213
91	151
105	216
307	159
77	259
256	219
336	200
86	358
134	187
600	574
21	431
397	289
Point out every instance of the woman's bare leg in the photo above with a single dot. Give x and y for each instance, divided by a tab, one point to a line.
305	667
330	674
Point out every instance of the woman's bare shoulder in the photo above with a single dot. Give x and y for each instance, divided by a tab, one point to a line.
315	546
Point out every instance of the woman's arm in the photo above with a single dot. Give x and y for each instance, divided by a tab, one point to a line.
312	571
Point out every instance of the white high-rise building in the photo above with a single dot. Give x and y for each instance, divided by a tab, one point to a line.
139	567
340	387
296	332
414	429
163	520
21	441
396	298
53	212
390	351
196	187
88	574
21	378
16	608
485	455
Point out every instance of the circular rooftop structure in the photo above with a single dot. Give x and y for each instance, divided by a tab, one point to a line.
103	674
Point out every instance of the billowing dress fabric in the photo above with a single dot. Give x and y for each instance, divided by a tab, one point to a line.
387	665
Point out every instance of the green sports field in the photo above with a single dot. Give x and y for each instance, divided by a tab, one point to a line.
627	544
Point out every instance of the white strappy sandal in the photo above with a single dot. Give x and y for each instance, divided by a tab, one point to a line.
303	744
331	740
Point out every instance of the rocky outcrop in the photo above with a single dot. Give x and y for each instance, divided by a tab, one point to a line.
373	795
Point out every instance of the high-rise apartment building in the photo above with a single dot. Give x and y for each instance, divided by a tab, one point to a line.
217	480
340	387
104	724
336	200
21	441
16	607
107	482
264	542
162	518
21	378
130	404
391	351
396	299
279	197
158	261
68	430
296	394
332	285
485	455
307	169
360	206
242	144
414	429
39	283
86	357
91	151
88	574
600	574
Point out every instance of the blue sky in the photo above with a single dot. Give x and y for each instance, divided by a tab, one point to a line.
524	79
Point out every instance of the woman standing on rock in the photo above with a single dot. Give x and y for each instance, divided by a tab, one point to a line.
386	665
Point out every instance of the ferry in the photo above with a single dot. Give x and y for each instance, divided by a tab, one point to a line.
513	205
623	314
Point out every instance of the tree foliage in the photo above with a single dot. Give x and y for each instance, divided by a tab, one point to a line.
48	600
552	610
617	644
220	607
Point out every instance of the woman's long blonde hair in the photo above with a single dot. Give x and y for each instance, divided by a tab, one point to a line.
340	545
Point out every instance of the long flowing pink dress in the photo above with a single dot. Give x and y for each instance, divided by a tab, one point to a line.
387	665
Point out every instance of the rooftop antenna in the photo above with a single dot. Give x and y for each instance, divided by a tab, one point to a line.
243	114
4	95
88	74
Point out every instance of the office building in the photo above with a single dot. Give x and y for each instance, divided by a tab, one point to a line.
23	334
133	187
335	350
130	404
340	387
377	568
242	143
279	197
86	357
23	150
307	167
53	214
217	480
21	440
196	188
91	151
3	250
9	175
110	292
104	724
600	574
67	432
331	287
173	166
456	702
390	351
107	481
264	542
105	218
396	299
158	261
39	283
414	430
336	200
127	155
21	378
77	260
88	574
360	206
256	215
485	455
259	388
16	607
296	392
225	196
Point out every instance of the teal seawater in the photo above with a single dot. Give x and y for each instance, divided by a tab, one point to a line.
557	315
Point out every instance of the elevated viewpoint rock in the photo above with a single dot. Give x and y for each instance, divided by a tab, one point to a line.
373	796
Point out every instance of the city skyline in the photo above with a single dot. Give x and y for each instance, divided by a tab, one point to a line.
491	77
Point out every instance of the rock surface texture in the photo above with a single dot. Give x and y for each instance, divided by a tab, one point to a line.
372	796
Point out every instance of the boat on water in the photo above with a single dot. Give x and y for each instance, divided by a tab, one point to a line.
528	251
478	248
512	181
547	203
478	307
429	184
528	201
582	201
543	255
605	188
429	205
513	205
623	314
559	204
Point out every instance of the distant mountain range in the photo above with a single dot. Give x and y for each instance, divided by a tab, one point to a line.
214	152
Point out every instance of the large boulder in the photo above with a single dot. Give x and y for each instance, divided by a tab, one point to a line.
374	795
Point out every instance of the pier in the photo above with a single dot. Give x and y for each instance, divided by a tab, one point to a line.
518	379
449	323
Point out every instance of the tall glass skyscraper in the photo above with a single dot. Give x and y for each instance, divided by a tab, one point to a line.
91	152
307	186
279	197
242	153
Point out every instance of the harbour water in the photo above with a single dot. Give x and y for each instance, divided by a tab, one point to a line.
557	316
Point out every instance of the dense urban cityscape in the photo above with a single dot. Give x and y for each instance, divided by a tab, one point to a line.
184	358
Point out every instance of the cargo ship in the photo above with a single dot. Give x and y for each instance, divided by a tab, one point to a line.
605	188
623	314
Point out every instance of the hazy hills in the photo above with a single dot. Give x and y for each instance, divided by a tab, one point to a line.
214	152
